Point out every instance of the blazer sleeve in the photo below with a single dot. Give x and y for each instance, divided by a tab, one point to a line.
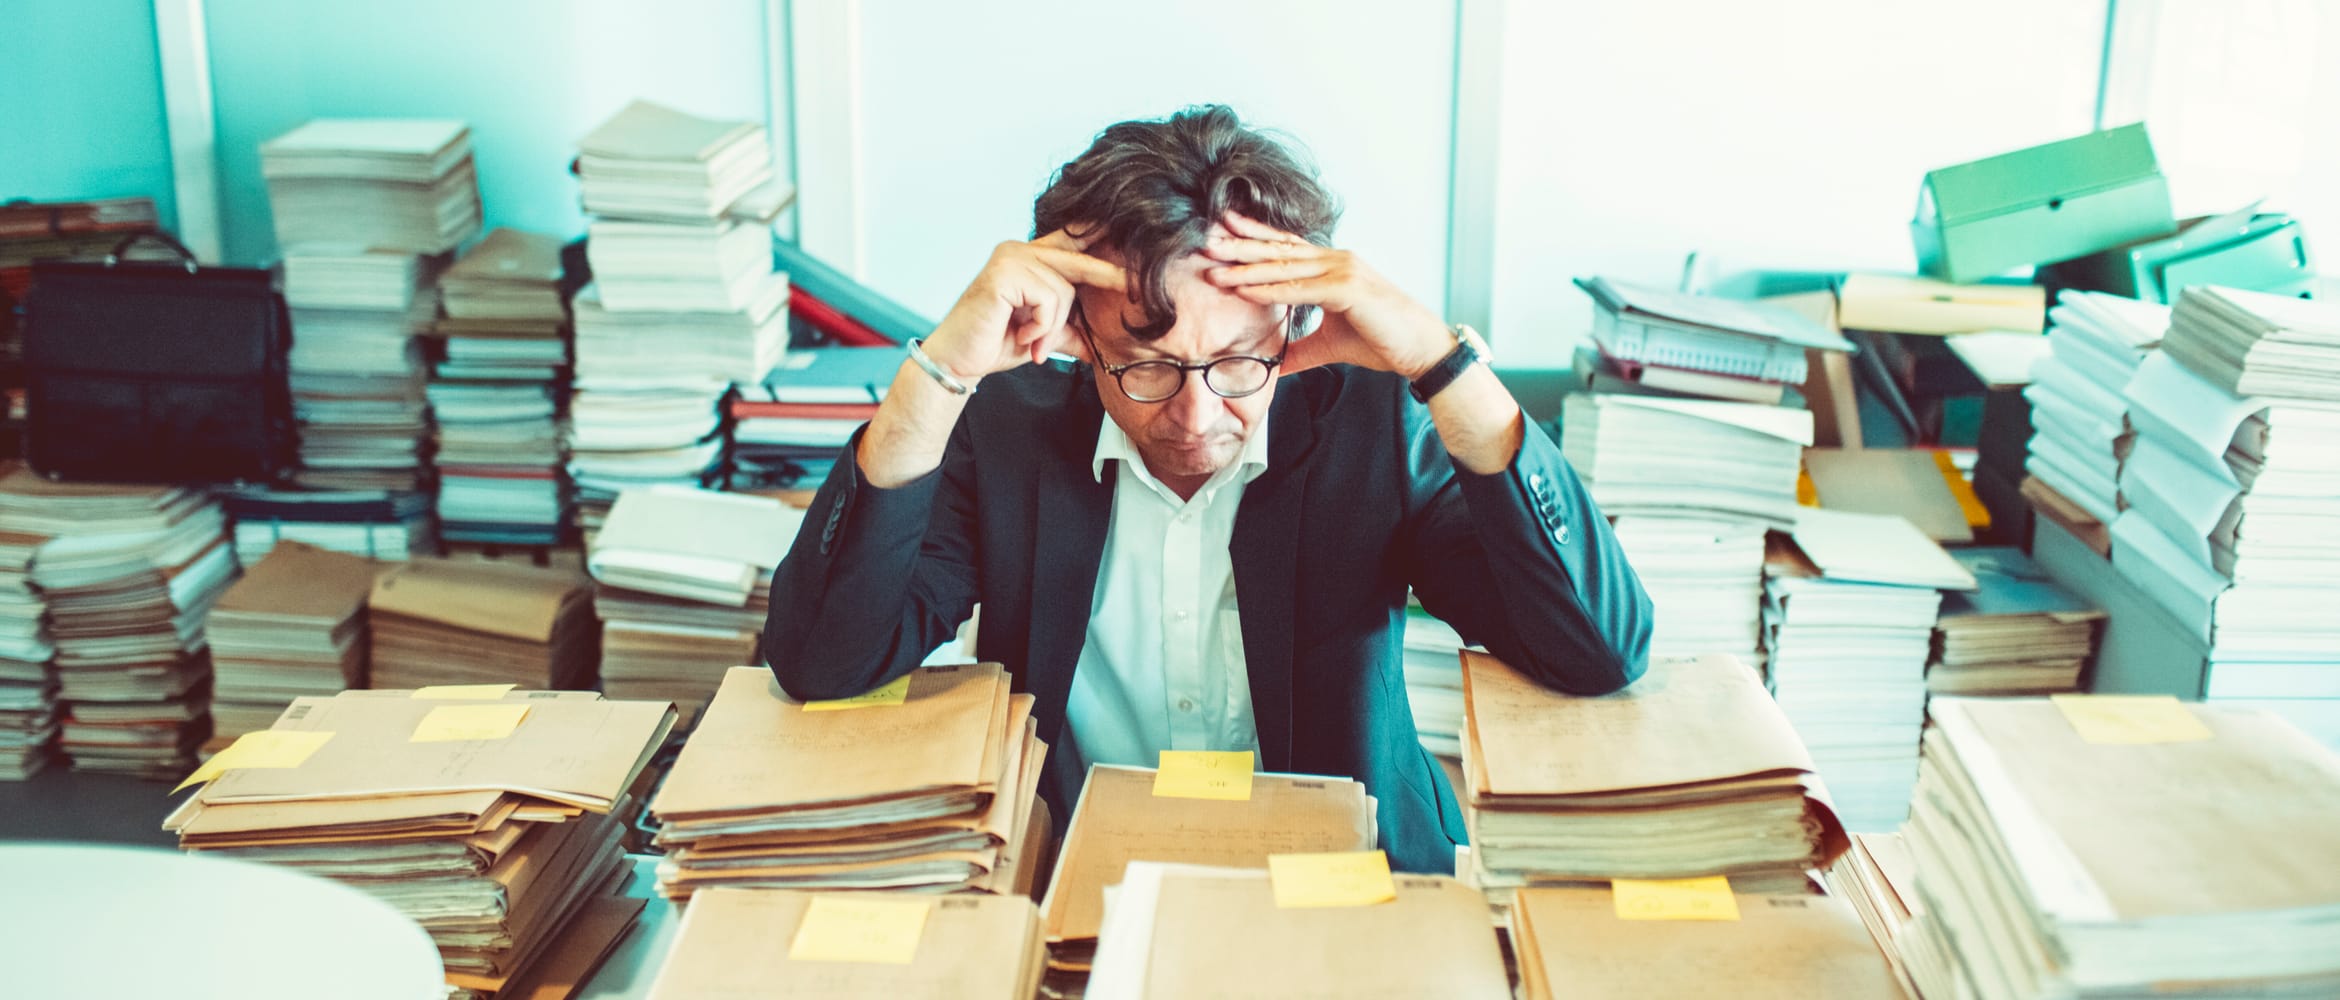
1523	563
877	578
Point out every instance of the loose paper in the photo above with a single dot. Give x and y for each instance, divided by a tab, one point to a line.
841	929
1706	898
2131	719
1347	878
895	693
448	723
266	748
1204	774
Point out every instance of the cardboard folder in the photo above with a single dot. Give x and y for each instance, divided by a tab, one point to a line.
2040	205
526	603
2265	252
741	942
1571	942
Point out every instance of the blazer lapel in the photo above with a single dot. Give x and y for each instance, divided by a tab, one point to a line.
1266	559
1071	512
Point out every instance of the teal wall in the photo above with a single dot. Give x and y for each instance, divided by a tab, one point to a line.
81	106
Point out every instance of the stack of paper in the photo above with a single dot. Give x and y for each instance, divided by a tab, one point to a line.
1849	607
1433	668
1702	344
28	681
376	524
2258	343
2099	846
441	622
788	431
685	578
497	393
1671	942
1318	925
1692	771
2080	425
128	575
650	161
2018	632
626	432
927	783
2233	527
294	626
854	946
492	822
1879	878
357	383
1705	575
400	185
1200	809
1890	303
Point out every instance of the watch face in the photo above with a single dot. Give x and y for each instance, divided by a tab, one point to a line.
1466	334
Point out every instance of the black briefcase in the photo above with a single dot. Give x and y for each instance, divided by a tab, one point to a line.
146	371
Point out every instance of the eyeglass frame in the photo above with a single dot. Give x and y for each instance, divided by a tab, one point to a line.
1081	317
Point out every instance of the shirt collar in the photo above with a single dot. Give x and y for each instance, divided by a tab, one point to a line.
1114	444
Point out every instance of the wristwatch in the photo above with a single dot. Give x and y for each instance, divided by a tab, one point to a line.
1469	349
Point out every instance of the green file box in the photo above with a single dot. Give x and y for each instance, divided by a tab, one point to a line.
2265	253
2040	205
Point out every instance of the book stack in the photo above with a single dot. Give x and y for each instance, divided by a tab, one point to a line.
1197	809
1700	345
779	793
366	210
1616	943
2016	633
440	622
683	585
684	302
2102	846
1691	772
788	432
493	823
128	574
1879	878
2080	429
294	626
2233	500
1190	931
1433	665
1849	607
779	942
382	525
28	680
498	392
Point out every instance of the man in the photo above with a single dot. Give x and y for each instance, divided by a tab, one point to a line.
1202	537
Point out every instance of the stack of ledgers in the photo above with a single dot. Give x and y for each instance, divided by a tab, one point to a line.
1850	604
1596	943
782	942
2016	633
1433	666
28	681
378	524
2096	846
928	783
498	392
491	822
1692	771
1236	819
1192	931
1879	878
684	301
294	626
2233	497
787	432
438	621
128	575
2080	427
683	582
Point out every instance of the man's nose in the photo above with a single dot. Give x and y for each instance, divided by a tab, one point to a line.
1196	406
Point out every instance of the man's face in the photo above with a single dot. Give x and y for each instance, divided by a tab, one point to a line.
1197	432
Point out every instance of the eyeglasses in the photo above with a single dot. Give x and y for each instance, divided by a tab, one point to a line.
1231	377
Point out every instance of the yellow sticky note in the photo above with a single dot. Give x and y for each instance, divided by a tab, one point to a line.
279	748
1204	774
1344	878
2131	718
464	692
1706	898
448	723
854	929
888	694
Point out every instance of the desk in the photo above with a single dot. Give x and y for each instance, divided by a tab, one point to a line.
635	961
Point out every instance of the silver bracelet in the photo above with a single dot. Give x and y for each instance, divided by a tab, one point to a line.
941	377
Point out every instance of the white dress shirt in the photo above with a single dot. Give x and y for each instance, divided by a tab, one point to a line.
1163	667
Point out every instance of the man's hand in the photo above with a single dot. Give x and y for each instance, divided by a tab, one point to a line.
1016	308
1367	320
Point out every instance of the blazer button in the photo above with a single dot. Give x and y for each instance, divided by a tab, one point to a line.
1560	535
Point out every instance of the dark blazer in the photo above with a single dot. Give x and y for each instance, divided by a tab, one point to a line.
1360	500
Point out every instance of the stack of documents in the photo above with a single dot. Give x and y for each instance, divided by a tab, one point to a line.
1433	668
627	431
1698	343
377	524
357	384
868	946
1888	303
2233	527
2258	343
1671	940
926	783
1705	575
1879	878
1849	607
128	574
28	680
400	185
650	161
2081	430
443	622
685	578
491	820
2103	846
2018	632
1690	772
788	431
294	626
1200	809
1316	925
497	393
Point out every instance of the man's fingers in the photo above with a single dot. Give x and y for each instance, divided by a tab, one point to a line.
1312	351
1250	228
1081	268
1267	272
1075	238
1239	250
1304	292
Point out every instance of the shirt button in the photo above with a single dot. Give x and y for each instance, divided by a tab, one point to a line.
1186	704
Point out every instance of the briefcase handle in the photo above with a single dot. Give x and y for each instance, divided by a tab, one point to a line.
186	256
